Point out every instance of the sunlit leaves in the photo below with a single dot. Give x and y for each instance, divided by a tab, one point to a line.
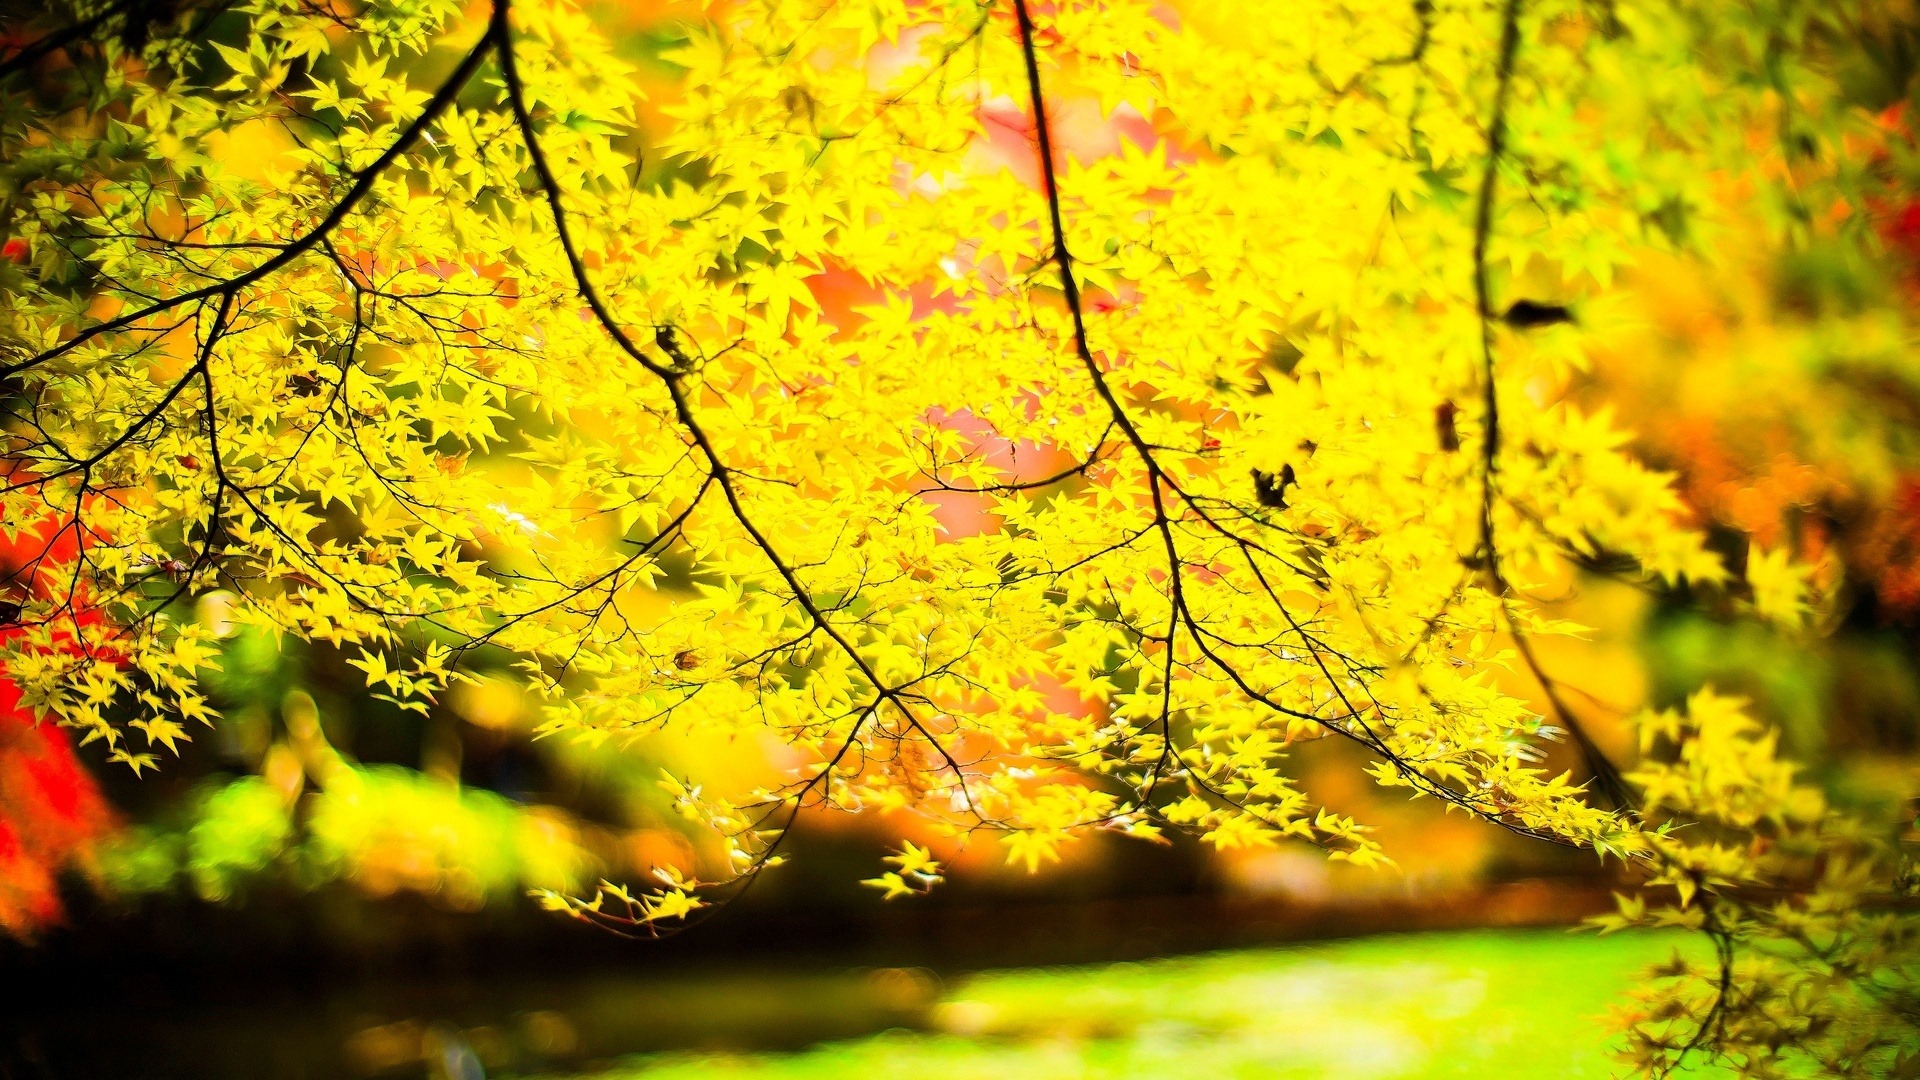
755	403
915	872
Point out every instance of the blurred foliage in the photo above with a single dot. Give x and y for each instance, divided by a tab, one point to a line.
1720	194
384	829
52	814
473	810
52	817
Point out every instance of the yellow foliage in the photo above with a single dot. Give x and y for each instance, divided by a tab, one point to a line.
1035	493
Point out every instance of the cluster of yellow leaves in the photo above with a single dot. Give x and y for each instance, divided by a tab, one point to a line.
617	906
915	872
414	438
1808	909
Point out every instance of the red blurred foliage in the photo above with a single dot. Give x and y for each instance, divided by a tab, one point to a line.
1896	214
51	811
1780	476
51	815
1893	545
1901	228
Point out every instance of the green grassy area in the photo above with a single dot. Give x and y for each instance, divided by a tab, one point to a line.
1487	1005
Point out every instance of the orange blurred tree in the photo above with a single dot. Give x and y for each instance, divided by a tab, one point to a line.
1037	497
1822	468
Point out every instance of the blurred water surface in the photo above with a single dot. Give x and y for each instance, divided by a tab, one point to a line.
1488	1004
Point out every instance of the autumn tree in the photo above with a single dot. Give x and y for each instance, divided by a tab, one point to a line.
1037	491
